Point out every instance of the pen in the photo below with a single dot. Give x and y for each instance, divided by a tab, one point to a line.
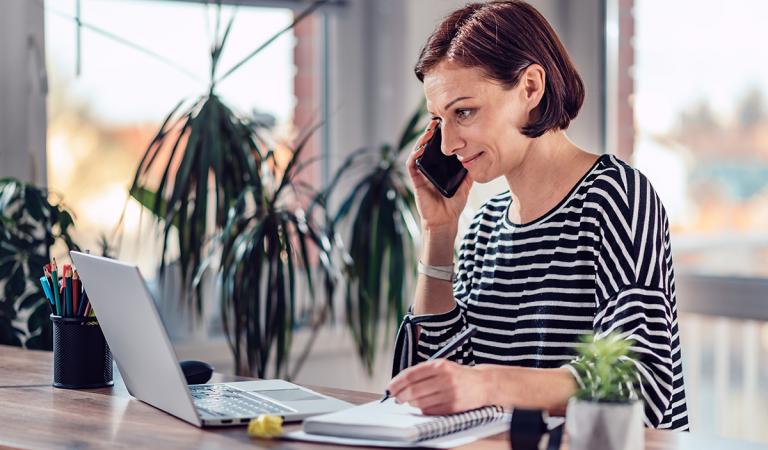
454	344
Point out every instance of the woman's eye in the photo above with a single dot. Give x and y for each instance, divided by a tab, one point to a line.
463	114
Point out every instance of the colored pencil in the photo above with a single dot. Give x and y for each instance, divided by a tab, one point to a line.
48	294
55	286
68	290
76	293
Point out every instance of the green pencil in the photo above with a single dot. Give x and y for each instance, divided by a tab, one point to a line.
68	291
56	297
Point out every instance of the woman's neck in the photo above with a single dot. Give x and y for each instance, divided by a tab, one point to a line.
551	167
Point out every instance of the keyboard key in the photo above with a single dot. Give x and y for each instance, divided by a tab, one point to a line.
223	401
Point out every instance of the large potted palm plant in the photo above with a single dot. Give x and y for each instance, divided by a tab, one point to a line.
224	203
379	215
261	240
206	156
270	247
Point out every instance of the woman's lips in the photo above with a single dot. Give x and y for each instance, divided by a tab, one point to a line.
467	163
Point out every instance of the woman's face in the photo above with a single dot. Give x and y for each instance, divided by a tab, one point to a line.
479	119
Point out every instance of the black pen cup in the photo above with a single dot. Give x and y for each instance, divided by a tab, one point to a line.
81	356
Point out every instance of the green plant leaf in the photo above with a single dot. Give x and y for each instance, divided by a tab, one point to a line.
414	127
29	225
606	369
380	209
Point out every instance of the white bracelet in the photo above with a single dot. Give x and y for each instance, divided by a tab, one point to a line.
439	272
447	269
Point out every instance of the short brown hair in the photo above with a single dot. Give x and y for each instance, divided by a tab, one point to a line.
503	38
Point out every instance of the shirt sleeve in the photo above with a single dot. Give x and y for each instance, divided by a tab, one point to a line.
420	336
634	273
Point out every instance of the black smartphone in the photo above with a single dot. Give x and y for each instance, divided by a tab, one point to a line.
445	172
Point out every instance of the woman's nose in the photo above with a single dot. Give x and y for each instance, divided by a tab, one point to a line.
451	140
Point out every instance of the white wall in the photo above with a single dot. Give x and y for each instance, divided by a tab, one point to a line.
22	92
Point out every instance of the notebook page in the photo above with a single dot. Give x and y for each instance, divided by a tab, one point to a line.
388	420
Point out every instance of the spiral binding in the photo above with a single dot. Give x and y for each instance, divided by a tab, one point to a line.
454	423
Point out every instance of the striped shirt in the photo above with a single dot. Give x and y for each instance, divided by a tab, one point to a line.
599	261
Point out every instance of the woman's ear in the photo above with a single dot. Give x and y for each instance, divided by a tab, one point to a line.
533	82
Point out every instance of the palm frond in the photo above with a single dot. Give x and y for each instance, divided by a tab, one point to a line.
267	247
380	210
218	161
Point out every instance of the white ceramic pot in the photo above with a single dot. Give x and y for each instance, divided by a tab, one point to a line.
604	426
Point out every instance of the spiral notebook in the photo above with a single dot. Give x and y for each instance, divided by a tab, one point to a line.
390	423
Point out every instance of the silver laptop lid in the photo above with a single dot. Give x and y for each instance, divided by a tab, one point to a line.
135	334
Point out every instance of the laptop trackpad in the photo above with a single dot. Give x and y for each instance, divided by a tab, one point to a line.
288	395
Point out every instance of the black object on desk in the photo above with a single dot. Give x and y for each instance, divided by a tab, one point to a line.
527	428
81	356
196	372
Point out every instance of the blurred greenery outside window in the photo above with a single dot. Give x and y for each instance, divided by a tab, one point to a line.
701	128
100	122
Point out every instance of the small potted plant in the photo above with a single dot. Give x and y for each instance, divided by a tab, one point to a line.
606	412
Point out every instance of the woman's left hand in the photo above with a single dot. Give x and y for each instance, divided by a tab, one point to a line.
441	387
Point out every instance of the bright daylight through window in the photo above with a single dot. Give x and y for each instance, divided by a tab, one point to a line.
701	120
101	121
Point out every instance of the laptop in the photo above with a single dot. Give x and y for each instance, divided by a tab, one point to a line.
148	365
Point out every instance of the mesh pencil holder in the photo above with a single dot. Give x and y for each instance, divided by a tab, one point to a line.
81	356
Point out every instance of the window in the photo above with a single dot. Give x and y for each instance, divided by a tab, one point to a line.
702	128
101	121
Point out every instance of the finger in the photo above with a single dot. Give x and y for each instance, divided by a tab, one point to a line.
413	170
418	178
411	375
466	185
440	409
421	144
416	392
427	135
431	401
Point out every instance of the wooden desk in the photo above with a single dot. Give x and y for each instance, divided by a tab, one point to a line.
33	414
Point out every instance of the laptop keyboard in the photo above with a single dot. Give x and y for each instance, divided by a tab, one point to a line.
220	400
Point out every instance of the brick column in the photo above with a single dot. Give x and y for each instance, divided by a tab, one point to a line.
307	110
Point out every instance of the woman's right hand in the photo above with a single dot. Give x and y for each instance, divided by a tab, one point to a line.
438	213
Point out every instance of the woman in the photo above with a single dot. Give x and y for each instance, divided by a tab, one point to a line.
579	243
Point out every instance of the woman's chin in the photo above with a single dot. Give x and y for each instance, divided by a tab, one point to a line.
481	176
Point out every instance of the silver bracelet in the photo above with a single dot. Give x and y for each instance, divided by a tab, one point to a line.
438	272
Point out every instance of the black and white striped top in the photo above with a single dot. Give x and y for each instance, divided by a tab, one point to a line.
599	261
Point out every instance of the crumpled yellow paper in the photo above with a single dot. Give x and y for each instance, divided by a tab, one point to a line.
265	426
